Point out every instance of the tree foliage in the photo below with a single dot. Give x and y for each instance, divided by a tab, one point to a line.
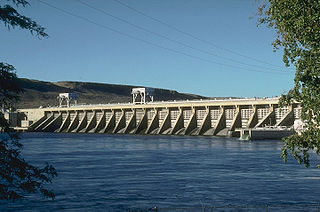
9	87
17	177
12	18
297	23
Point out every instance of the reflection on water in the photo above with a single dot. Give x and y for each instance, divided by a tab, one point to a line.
119	172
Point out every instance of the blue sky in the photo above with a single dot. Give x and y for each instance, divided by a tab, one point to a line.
79	50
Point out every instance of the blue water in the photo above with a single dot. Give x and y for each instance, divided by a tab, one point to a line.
122	172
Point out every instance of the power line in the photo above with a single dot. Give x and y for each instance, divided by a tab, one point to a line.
151	43
168	38
191	35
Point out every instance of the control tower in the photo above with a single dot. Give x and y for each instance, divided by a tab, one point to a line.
140	95
66	98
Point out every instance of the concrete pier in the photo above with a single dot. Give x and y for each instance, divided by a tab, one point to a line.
208	117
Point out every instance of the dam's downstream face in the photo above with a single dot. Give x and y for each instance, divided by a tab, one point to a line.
209	117
120	172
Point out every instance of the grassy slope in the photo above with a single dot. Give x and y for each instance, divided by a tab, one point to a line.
45	93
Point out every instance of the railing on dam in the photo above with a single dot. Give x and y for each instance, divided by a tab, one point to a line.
202	117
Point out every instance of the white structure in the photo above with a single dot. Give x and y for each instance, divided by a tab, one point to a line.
11	117
67	97
139	95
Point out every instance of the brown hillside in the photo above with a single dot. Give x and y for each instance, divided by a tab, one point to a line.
40	93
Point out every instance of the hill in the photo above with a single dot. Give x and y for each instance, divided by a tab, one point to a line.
41	93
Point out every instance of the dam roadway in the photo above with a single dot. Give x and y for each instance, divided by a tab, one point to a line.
225	117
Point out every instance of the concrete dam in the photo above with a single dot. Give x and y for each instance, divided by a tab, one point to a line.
226	117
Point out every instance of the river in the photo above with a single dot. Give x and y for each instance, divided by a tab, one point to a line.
127	172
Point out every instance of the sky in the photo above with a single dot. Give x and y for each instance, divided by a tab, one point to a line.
206	47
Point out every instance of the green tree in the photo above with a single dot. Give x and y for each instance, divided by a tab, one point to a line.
297	23
17	177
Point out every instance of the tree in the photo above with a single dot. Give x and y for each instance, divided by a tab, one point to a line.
17	177
297	24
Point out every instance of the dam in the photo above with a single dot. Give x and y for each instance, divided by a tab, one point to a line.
224	117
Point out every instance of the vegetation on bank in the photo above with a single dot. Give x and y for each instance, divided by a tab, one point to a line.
297	24
17	176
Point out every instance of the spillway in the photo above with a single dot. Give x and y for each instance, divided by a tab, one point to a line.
226	117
